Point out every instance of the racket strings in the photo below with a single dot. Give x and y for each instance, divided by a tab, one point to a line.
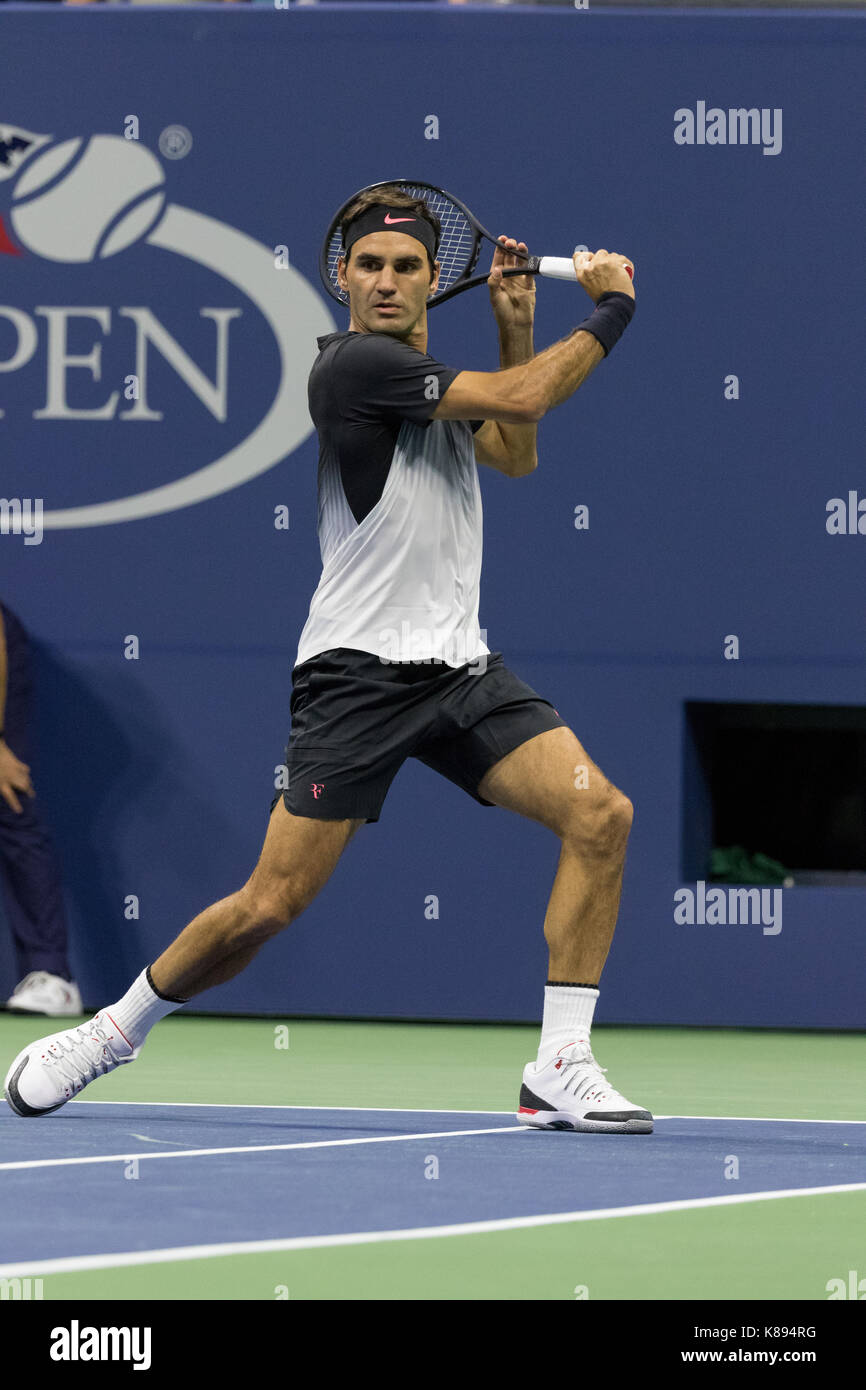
458	245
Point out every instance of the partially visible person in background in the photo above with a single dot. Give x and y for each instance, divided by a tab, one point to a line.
30	869
168	2
163	2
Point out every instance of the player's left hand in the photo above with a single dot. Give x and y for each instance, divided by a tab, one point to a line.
513	298
14	777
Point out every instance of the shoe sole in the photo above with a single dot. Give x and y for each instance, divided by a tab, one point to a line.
558	1119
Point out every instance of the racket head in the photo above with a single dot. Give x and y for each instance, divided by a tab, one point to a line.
459	242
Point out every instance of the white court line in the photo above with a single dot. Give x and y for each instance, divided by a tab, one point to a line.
252	1148
433	1110
765	1119
74	1263
243	1105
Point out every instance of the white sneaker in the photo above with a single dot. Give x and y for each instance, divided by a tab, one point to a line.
41	993
52	1070
570	1092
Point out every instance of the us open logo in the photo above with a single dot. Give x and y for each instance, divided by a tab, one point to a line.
83	204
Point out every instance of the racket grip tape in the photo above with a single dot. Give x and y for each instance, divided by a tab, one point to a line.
562	268
557	267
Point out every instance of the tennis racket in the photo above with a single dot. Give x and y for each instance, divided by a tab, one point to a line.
459	246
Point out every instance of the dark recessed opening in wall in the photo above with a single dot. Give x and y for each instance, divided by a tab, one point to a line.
785	781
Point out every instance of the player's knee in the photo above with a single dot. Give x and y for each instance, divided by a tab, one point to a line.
602	828
267	910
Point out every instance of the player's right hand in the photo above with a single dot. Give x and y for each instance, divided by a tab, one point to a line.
601	271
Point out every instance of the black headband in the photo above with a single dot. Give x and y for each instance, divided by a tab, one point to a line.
387	219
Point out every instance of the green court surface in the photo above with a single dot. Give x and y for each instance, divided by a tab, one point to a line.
785	1248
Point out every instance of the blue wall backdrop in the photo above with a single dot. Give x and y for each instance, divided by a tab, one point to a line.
707	514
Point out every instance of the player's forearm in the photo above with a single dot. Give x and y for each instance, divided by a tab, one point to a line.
515	349
555	374
515	345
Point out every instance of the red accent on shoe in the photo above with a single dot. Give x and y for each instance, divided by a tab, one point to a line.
120	1030
525	1110
558	1064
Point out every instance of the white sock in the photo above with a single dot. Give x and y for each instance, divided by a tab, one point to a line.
568	1011
139	1009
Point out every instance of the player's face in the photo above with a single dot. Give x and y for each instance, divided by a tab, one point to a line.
388	282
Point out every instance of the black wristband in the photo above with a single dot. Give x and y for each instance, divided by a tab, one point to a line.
611	317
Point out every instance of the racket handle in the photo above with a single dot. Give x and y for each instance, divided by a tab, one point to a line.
557	267
562	268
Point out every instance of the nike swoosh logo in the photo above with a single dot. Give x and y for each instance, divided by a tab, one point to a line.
389	220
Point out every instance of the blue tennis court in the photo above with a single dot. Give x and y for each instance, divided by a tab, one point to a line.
113	1178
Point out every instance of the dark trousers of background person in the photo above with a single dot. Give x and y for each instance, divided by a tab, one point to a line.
28	861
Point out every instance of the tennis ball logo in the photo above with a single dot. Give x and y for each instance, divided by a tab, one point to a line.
85	200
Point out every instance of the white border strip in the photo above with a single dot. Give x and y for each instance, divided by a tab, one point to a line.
75	1263
250	1148
432	1110
231	1105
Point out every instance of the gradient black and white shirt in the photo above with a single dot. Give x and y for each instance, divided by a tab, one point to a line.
400	518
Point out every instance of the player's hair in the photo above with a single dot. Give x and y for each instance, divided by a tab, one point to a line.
391	196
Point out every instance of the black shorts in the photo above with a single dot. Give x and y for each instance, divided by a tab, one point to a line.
355	720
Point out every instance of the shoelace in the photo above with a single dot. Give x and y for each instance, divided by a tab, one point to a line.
82	1060
586	1083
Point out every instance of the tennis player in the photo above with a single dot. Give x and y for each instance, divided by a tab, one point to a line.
391	663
